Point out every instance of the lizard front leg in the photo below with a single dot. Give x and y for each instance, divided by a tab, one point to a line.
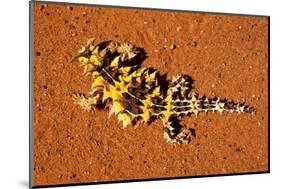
89	102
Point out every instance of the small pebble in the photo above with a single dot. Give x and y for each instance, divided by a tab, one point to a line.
84	13
179	28
145	22
194	44
83	30
74	34
70	8
240	27
213	85
43	7
172	46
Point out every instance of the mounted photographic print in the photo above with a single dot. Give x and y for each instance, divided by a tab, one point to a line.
124	94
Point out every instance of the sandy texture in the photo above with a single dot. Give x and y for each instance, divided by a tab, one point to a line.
227	56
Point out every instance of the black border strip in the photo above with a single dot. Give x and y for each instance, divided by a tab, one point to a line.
31	92
268	95
31	96
152	179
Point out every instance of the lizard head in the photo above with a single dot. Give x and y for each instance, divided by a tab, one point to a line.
106	55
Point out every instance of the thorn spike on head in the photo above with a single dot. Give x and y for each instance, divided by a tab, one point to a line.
111	112
124	125
90	41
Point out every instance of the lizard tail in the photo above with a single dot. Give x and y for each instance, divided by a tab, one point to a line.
215	104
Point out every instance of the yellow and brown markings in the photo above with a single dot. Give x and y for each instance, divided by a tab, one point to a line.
135	94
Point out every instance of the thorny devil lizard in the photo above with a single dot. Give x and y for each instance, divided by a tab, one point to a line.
137	95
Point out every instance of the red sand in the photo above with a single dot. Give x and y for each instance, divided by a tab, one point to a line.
227	56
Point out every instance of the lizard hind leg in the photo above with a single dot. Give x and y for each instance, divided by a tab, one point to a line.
181	85
175	134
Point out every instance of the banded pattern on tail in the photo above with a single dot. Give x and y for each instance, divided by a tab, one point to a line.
215	104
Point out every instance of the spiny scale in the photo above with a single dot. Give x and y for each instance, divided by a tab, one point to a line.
135	95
